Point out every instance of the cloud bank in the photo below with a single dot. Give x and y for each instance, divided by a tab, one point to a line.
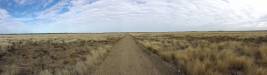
131	15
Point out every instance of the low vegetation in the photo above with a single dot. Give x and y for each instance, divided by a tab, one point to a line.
53	54
210	53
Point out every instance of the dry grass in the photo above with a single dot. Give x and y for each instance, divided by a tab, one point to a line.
211	53
61	54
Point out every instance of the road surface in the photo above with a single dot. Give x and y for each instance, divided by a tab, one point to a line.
128	58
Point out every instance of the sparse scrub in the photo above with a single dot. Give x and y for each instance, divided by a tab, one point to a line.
62	54
211	53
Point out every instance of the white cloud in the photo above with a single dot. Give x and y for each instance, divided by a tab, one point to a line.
116	15
53	11
3	14
8	25
27	2
151	15
22	1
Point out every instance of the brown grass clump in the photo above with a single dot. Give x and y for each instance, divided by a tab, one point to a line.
211	53
61	54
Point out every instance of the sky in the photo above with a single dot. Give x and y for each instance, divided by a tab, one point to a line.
79	16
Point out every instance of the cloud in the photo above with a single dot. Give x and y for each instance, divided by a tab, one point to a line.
147	15
152	15
114	15
53	11
22	1
3	14
29	2
8	25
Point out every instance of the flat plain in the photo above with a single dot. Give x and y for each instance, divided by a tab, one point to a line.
144	53
210	53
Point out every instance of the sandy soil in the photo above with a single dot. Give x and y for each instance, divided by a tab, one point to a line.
128	58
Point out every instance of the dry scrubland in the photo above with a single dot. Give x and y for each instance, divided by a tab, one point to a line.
211	53
53	54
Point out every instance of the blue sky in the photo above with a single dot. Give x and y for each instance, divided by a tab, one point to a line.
26	8
48	16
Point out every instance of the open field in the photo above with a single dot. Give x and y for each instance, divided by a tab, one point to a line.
210	53
78	54
53	54
173	53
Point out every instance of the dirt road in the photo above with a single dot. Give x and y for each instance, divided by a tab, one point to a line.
127	58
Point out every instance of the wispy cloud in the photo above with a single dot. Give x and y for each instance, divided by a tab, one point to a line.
8	25
146	15
22	1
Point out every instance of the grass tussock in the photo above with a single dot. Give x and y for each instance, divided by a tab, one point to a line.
211	53
68	54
